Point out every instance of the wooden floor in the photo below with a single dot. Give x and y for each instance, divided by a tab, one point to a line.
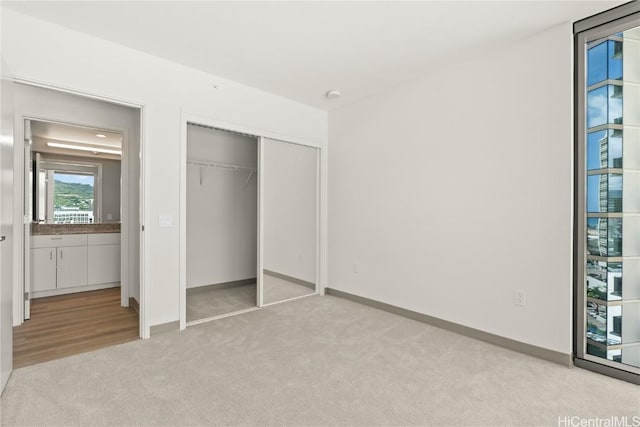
70	324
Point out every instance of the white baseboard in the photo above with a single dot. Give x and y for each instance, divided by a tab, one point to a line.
64	291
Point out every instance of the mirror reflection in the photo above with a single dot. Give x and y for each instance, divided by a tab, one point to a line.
290	192
75	174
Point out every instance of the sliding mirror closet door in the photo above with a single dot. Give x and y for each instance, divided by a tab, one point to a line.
290	220
221	222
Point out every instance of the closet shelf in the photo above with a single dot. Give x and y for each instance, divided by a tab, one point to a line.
224	166
218	165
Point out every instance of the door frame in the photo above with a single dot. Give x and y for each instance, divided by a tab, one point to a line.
27	142
7	147
20	246
260	134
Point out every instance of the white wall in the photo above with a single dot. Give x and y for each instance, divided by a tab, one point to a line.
290	209
110	182
111	176
221	211
453	190
44	52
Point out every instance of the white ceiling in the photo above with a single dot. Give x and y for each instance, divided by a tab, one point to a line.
43	132
302	49
78	134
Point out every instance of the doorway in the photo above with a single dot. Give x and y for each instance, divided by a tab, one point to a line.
81	209
221	229
73	201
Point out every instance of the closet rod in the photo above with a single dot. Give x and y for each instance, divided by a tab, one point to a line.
220	165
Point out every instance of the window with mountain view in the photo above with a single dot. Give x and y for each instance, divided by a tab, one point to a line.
73	198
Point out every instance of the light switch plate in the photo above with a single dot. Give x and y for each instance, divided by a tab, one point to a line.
165	221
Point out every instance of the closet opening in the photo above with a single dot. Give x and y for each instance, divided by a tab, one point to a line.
221	223
251	233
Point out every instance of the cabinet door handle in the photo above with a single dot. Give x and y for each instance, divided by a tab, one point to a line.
51	255
60	253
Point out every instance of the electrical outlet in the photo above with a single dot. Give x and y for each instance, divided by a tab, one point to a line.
356	268
519	297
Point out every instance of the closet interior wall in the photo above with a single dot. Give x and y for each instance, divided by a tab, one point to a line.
221	207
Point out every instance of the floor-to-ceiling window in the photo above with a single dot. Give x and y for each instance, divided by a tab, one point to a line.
608	192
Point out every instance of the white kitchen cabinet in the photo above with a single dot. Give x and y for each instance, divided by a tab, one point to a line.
60	263
72	267
103	239
104	264
59	240
43	269
45	266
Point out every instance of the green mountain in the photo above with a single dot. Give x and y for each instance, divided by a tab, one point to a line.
73	196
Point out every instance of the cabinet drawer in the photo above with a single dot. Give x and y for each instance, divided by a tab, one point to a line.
57	241
104	239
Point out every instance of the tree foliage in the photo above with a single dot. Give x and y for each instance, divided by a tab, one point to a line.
73	196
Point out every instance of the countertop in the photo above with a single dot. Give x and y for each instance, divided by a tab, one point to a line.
49	229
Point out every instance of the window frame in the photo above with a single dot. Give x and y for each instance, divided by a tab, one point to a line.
589	30
78	167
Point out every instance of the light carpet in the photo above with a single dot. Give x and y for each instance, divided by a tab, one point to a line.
313	361
209	301
276	289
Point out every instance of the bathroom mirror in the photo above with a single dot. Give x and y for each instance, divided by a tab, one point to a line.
75	174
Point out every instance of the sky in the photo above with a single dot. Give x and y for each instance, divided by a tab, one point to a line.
74	178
